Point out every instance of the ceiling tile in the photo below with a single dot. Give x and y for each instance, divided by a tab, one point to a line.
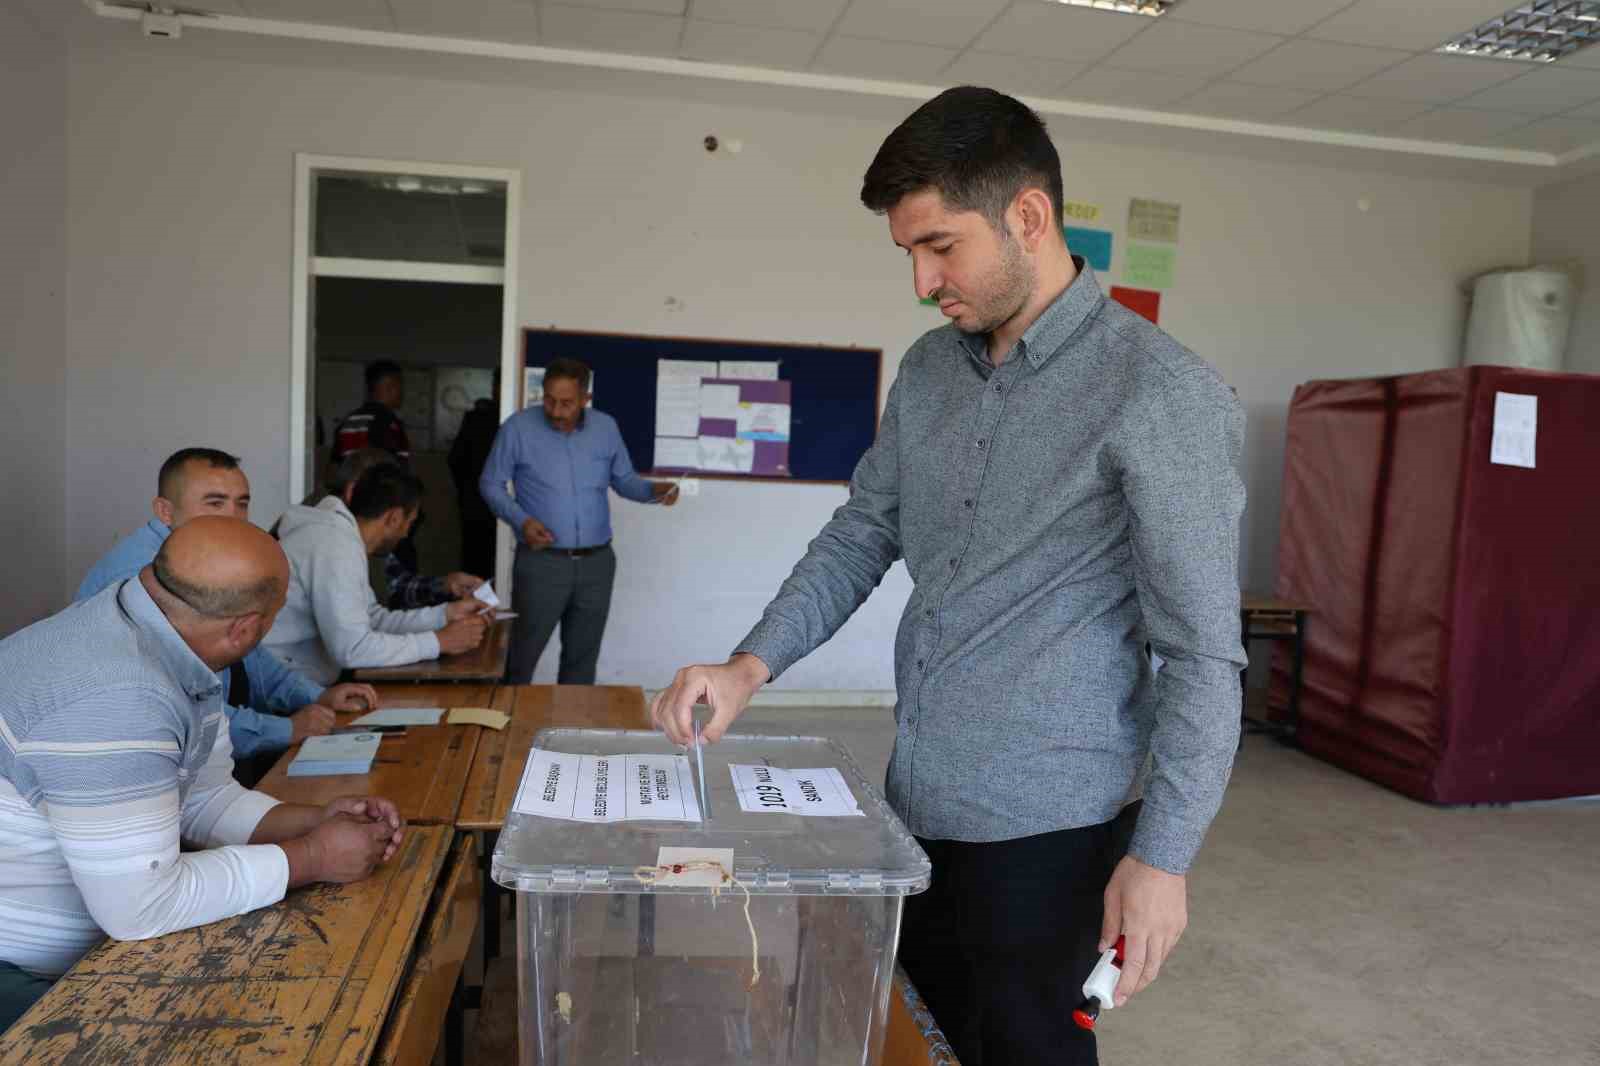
657	7
887	60
1131	88
1052	31
1591	111
1184	48
1267	16
1436	78
1542	91
369	14
1232	100
720	42
785	14
1418	25
952	23
495	20
1012	74
1459	125
610	31
1354	113
1319	65
1555	135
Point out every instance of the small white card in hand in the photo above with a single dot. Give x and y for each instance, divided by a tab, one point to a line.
820	793
402	716
484	594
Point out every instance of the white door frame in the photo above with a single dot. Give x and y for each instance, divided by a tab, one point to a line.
306	166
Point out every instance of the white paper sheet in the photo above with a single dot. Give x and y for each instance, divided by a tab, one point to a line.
748	371
820	793
677	453
764	421
1516	429
678	395
719	401
402	716
607	788
484	594
726	455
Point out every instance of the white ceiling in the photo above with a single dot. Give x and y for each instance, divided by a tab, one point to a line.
1365	66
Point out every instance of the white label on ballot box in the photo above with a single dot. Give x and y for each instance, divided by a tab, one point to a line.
607	788
813	793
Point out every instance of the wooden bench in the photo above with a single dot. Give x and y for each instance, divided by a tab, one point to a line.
1267	618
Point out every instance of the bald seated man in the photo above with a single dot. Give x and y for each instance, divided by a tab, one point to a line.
113	750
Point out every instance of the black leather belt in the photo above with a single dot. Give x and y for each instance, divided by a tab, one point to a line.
578	553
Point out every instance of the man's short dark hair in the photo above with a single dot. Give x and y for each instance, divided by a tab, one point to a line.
571	369
169	483
381	371
382	489
977	147
348	471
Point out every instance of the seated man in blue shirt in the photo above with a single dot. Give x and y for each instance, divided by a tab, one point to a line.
204	481
562	460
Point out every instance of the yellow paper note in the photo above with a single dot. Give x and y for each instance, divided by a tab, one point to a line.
1078	211
478	716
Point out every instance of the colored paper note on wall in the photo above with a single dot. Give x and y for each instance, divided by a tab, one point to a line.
1153	220
1093	244
1078	211
1139	301
1149	266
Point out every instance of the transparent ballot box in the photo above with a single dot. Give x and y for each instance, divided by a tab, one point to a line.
770	941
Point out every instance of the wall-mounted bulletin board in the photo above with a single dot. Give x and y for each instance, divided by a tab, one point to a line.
751	410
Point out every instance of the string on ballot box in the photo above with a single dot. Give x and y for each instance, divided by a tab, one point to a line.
650	875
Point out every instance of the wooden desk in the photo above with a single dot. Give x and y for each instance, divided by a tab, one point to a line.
497	769
1269	618
486	662
308	980
492	783
423	770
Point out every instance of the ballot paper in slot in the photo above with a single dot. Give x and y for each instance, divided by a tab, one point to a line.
819	793
607	788
349	753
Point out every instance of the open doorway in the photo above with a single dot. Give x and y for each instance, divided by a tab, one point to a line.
408	267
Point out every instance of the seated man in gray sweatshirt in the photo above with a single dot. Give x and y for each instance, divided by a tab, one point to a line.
332	620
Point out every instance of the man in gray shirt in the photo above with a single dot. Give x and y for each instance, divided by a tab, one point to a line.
1060	478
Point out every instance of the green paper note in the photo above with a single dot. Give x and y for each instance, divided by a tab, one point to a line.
1148	266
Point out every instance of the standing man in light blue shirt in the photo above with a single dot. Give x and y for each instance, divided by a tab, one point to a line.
562	461
271	706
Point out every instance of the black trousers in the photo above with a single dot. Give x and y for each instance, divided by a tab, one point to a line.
1001	943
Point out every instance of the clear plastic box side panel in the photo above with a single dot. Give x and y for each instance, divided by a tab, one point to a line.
667	979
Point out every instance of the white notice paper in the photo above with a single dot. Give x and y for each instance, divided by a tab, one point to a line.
719	401
726	455
1516	428
401	716
607	788
484	594
749	371
811	793
677	453
678	396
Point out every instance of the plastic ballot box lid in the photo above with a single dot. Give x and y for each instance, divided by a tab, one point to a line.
618	811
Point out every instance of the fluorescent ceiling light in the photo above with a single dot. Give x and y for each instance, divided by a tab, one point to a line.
1539	32
1126	7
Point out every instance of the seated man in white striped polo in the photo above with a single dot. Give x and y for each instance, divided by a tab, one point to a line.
113	749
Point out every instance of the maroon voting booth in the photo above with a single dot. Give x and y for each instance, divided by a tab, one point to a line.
1455	650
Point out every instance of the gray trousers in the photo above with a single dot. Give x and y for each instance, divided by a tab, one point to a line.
18	991
549	587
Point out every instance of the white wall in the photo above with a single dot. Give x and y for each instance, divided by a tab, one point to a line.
33	412
1566	226
180	254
